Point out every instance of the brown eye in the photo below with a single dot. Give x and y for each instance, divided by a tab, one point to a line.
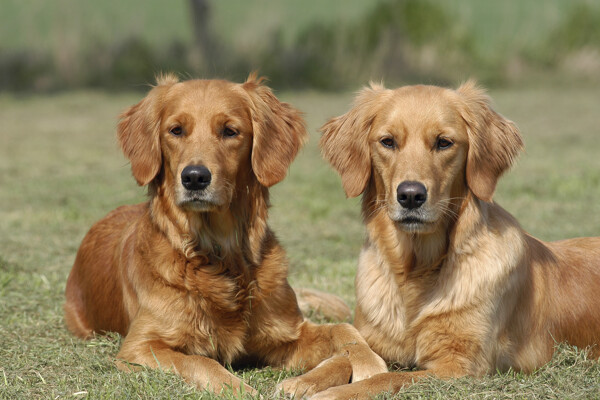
229	132
443	144
176	131
388	142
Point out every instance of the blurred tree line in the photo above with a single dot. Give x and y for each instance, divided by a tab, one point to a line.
396	40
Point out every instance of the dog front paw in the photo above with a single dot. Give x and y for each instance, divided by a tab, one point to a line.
365	362
331	372
296	388
344	392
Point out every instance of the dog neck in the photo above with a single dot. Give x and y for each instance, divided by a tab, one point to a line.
227	236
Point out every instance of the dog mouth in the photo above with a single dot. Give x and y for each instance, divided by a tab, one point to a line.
198	204
197	201
413	223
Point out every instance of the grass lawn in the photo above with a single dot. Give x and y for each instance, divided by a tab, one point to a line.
61	170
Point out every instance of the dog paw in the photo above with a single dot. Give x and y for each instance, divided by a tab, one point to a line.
343	392
365	363
362	372
296	388
331	372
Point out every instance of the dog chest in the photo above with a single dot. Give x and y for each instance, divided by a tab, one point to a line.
203	307
382	313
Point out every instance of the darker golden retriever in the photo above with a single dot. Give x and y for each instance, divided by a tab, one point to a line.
194	278
447	281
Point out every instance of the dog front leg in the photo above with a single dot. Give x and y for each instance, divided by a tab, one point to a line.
389	382
203	372
320	342
333	371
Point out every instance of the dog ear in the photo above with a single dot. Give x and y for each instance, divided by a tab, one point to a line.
279	132
138	132
494	141
344	143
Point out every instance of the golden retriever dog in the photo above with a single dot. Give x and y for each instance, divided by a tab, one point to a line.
448	282
195	278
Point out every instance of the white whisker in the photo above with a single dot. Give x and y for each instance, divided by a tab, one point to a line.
376	210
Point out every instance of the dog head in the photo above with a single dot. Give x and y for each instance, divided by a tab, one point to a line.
198	139
421	148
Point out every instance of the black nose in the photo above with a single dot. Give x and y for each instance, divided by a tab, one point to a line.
411	194
195	177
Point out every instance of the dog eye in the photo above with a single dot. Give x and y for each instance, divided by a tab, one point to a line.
388	142
229	132
176	131
443	144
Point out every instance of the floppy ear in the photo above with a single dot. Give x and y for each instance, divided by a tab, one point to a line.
344	141
494	141
279	133
138	133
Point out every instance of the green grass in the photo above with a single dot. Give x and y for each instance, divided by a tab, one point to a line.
61	170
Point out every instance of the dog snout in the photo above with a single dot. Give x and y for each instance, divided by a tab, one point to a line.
411	194
195	177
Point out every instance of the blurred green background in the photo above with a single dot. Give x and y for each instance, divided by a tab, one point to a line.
334	44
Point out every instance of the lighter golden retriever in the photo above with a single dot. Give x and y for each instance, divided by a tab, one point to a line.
194	278
447	281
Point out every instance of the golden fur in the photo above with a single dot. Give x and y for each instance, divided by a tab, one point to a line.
454	286
195	278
